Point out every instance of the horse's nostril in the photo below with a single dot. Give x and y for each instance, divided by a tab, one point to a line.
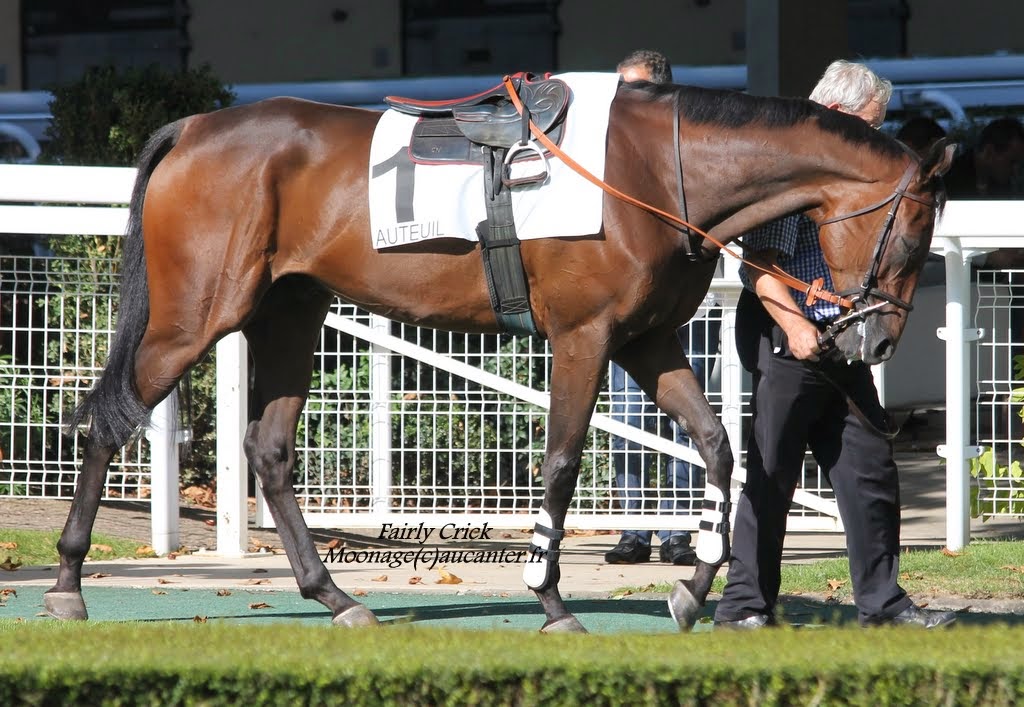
884	350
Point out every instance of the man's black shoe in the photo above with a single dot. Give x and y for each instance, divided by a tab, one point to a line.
748	624
629	551
916	616
677	551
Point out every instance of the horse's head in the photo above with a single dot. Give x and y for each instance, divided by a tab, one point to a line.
879	275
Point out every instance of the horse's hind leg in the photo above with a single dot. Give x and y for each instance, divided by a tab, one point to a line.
576	373
282	338
139	381
658	365
64	599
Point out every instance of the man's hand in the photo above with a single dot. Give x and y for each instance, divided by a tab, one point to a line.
777	299
803	339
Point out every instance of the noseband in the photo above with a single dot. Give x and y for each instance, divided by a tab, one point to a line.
868	288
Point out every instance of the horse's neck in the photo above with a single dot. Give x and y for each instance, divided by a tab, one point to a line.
786	175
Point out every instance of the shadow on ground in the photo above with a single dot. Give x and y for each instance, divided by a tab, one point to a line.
636	615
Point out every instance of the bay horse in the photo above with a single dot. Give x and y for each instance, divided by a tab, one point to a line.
254	217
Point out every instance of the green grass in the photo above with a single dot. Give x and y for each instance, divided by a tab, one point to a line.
983	570
35	547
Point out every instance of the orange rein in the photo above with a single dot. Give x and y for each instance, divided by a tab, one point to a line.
814	290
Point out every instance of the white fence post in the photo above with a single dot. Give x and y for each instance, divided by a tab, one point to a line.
163	499
955	450
380	418
232	468
732	369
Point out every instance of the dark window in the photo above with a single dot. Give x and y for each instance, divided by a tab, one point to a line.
474	37
62	38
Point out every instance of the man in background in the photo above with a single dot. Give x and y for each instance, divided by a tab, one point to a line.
630	405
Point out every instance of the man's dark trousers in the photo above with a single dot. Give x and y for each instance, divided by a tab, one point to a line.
795	407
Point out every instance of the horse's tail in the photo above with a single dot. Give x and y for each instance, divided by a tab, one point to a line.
113	407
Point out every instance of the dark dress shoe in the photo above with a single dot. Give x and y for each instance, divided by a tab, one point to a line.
629	551
677	551
748	624
916	616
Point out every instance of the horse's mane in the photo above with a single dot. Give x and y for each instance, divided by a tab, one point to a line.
733	109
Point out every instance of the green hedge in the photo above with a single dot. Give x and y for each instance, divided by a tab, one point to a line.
170	664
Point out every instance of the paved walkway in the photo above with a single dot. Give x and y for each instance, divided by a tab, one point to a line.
584	572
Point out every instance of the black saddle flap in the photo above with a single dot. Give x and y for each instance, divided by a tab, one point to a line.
440	140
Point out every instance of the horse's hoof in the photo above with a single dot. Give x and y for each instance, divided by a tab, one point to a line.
66	606
355	617
567	624
683	606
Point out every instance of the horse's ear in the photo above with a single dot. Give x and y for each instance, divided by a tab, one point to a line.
937	161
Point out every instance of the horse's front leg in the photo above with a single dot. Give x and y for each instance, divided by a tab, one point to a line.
282	338
575	378
658	365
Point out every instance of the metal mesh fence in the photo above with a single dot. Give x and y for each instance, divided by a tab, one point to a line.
997	487
56	321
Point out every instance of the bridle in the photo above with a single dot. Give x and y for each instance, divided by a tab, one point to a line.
868	287
815	290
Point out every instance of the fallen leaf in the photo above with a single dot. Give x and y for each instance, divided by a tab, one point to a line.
415	580
4	593
200	495
161	580
447	577
504	594
199	619
144	551
382	578
950	553
256	581
9	565
100	548
834	584
359	593
260	605
223	592
158	592
8	546
99	575
1013	569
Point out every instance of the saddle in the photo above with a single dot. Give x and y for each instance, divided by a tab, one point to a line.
489	117
487	129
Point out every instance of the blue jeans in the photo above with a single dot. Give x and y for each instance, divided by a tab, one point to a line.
631	463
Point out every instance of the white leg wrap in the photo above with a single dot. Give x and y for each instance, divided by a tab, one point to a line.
535	573
714	528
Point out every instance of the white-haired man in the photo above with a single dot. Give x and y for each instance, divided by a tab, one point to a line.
795	407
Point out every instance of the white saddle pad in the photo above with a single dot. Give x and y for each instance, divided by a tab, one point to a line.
412	202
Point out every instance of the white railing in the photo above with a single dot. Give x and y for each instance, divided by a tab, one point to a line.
966	230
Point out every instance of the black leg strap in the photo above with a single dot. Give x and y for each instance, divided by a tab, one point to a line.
723	507
554	537
720	528
538	553
549	533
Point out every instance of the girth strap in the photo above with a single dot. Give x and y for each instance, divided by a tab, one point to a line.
499	247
